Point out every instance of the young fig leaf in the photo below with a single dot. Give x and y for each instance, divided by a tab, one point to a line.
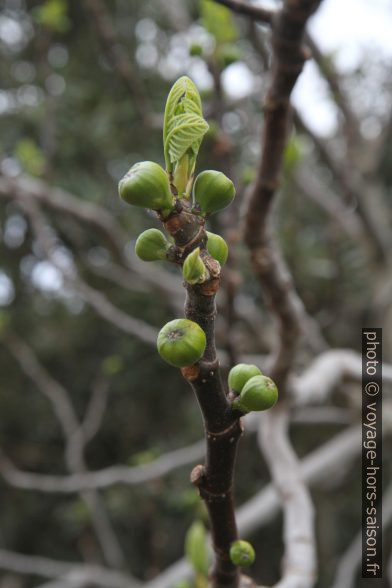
183	131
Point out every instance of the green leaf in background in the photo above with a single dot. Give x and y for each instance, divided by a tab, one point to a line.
219	21
30	156
183	131
196	548
53	14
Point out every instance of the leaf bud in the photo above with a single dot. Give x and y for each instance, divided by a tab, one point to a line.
181	342
213	191
146	184
259	393
217	248
194	270
240	374
242	553
152	245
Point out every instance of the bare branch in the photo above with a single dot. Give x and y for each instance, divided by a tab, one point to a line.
268	265
102	478
331	75
32	189
117	55
327	371
73	433
299	561
316	468
95	409
49	568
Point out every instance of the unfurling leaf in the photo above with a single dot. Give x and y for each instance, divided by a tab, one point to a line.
183	131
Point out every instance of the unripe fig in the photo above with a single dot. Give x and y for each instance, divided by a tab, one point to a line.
242	553
259	393
181	342
240	374
146	184
151	245
196	549
213	191
217	247
194	270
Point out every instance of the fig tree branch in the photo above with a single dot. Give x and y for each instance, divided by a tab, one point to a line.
287	63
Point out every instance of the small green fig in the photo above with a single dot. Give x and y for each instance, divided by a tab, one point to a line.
217	248
242	553
152	245
181	342
146	184
194	270
196	549
240	374
259	393
213	191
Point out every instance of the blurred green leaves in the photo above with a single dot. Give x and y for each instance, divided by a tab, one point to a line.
53	15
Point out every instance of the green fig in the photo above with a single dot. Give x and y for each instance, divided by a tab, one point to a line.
152	245
146	184
240	374
259	393
181	342
194	270
217	248
213	191
242	553
196	549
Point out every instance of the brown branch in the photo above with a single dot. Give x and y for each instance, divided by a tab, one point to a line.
100	479
287	63
316	468
255	12
214	480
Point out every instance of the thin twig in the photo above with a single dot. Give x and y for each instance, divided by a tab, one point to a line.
315	469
